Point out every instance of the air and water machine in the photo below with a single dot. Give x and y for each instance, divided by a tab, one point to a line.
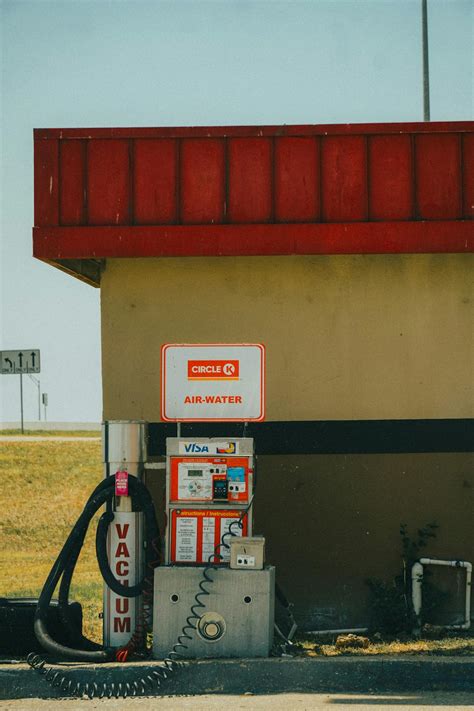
214	569
213	595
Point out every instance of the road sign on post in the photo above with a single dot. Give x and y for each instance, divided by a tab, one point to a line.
26	360
17	363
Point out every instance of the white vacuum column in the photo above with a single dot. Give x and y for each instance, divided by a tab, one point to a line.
124	449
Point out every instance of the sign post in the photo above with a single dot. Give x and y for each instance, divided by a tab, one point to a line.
44	398
17	363
21	401
37	382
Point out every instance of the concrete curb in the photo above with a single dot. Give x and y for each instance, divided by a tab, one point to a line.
260	676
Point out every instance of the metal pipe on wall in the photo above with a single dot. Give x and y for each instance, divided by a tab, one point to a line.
417	582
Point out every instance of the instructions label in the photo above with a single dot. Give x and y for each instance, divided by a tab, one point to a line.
186	540
196	532
208	536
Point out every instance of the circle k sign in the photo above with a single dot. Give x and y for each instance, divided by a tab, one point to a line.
213	382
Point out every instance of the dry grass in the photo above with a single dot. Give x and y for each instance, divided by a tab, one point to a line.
45	487
463	645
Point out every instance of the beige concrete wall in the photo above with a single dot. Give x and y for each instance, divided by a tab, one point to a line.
363	337
347	337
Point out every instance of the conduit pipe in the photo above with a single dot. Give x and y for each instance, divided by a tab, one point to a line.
417	582
352	630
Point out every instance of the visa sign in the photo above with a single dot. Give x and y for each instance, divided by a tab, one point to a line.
193	447
208	448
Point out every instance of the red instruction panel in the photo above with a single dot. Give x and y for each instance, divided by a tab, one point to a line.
196	533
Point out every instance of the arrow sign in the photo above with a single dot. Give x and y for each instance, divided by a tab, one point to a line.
21	361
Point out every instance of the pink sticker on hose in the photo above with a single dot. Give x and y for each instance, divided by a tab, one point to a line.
121	483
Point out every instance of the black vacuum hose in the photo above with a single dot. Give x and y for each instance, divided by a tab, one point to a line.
74	634
64	565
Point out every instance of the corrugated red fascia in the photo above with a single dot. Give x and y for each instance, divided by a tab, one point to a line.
89	202
253	240
254	131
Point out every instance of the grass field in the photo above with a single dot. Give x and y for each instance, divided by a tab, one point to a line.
51	433
44	488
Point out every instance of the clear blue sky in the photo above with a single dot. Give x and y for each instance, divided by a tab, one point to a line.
133	63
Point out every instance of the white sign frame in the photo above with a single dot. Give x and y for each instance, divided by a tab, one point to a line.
175	382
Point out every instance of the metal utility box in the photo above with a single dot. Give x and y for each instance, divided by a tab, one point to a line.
236	622
247	553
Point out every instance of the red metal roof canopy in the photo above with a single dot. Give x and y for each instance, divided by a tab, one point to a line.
224	191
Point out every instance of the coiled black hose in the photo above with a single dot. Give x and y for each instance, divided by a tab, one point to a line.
64	565
155	677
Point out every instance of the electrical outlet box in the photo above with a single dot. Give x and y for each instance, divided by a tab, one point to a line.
247	553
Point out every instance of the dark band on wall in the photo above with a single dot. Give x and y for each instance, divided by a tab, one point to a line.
330	436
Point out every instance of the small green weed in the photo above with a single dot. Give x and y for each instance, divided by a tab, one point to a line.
391	600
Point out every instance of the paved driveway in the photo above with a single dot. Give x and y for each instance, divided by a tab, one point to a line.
271	702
